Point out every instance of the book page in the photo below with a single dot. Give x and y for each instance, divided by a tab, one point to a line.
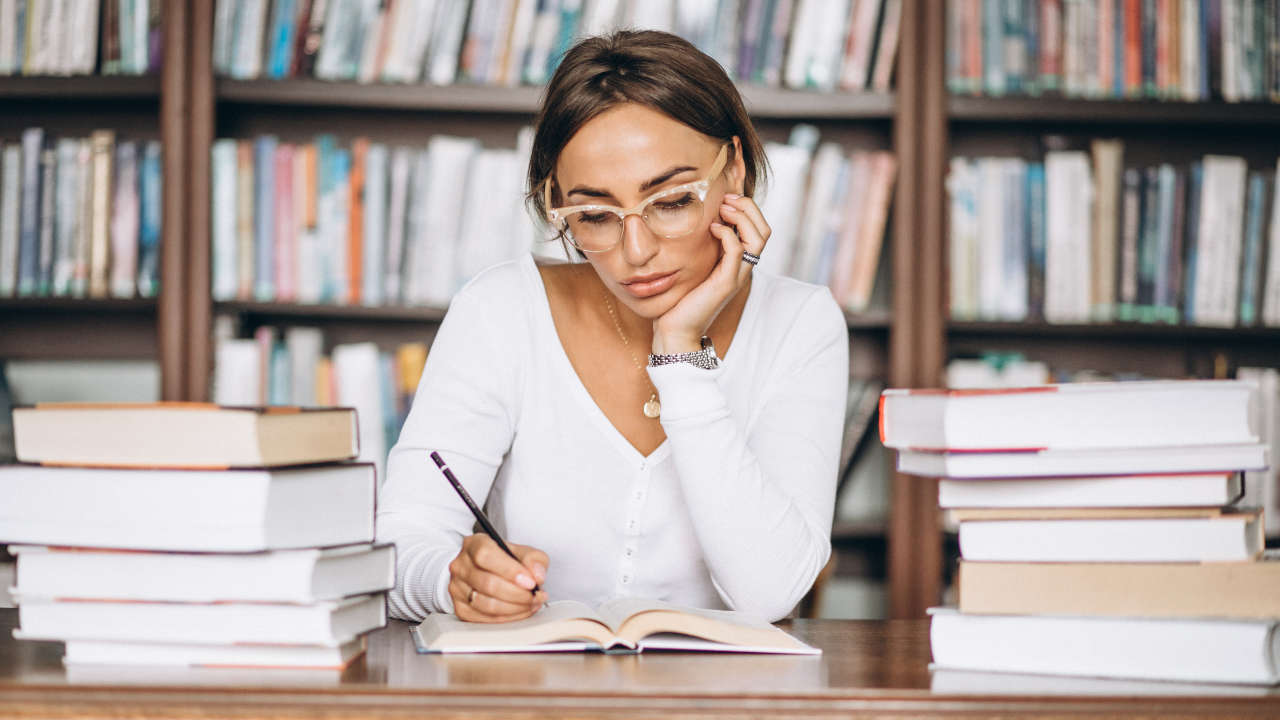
557	621
637	618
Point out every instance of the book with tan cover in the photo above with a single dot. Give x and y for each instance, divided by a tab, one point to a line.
619	625
182	435
1221	590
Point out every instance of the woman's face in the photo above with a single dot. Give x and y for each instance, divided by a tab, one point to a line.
620	158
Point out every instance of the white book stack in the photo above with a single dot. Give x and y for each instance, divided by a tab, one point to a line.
193	535
1105	528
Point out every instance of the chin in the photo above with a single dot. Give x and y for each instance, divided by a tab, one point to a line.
654	307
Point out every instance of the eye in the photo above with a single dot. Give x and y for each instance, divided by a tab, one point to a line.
593	218
675	203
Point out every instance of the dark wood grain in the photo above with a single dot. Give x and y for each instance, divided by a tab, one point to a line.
760	102
1127	112
77	89
200	135
171	326
868	669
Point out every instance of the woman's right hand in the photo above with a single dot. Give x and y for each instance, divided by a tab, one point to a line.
503	587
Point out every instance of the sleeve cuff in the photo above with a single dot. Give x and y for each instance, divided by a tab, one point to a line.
444	600
687	391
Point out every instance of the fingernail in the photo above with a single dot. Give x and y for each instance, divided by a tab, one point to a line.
539	572
525	581
732	196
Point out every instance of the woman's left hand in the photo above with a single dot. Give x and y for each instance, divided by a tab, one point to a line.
681	328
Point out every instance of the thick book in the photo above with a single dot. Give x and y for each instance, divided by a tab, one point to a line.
288	576
1161	490
164	654
1221	651
1073	415
1110	535
326	623
182	435
620	625
1223	590
188	510
1107	461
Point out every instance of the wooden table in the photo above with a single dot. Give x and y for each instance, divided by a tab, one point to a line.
868	669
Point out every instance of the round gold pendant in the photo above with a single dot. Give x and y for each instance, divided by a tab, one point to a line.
652	408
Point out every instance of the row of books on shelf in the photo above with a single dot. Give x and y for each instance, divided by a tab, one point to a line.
1122	545
290	367
1079	238
194	556
1188	50
372	224
805	44
79	217
80	37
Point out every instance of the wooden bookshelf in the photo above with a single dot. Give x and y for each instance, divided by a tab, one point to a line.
1118	112
761	102
146	106
1120	332
80	88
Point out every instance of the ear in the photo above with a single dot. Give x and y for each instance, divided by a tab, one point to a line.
736	169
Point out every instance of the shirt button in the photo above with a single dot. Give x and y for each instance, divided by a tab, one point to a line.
630	552
639	495
626	579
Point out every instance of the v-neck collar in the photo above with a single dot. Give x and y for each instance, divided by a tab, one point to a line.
574	381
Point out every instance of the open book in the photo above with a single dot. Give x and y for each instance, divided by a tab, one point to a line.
624	624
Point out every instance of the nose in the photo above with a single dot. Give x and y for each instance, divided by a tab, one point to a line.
639	244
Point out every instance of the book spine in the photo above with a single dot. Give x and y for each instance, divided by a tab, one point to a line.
225	281
65	217
150	220
994	77
311	38
1162	303
285	225
887	47
284	15
245	197
10	194
1127	280
1195	181
1177	248
355	224
84	205
1148	250
264	165
1132	48
1271	312
1252	258
375	225
124	222
1037	238
103	151
29	233
1051	45
1106	45
48	213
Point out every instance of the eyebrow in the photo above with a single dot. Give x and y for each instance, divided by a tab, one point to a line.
646	185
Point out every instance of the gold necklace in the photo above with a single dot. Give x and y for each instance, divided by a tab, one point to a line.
652	408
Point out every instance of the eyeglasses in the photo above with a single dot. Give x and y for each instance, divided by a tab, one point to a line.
668	213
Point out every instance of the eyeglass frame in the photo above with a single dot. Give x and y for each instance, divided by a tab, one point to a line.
557	216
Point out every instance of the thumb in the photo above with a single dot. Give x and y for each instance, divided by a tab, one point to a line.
534	559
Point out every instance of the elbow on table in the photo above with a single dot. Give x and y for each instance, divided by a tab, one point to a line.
772	596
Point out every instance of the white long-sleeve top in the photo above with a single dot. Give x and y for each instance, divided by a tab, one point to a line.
732	511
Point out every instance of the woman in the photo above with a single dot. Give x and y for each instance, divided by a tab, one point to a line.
704	477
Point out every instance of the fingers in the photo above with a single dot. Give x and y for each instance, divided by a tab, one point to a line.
728	271
752	229
747	218
485	554
534	559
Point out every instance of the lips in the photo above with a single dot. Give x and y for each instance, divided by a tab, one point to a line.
644	286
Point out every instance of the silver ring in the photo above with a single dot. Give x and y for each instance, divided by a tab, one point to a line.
748	257
471	597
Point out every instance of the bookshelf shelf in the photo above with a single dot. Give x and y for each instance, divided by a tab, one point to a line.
295	311
1118	332
875	320
63	305
1127	112
761	102
859	530
81	88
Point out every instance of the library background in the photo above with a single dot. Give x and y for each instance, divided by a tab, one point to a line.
272	202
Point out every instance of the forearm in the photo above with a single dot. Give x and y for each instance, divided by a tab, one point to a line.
761	506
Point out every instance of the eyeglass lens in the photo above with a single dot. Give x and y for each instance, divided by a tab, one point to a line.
666	216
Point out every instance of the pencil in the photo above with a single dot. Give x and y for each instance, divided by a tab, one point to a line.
475	509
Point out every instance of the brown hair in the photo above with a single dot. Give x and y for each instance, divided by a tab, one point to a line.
655	69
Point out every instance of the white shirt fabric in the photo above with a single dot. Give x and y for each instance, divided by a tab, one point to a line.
732	511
